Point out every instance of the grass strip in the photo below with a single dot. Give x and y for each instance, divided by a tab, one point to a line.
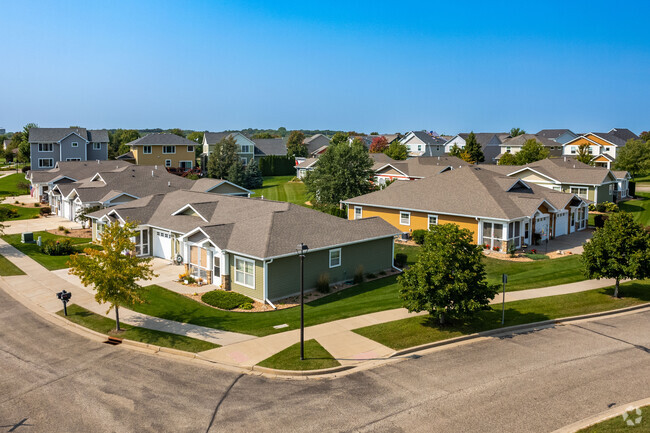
8	269
316	358
104	325
618	424
415	331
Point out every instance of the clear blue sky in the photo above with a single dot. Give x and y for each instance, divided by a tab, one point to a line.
356	65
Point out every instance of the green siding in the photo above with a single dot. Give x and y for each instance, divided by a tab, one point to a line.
603	194
284	274
258	292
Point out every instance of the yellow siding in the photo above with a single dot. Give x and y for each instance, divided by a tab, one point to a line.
593	138
419	220
157	157
528	175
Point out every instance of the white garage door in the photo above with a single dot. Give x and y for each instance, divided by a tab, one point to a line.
162	245
75	209
66	209
562	223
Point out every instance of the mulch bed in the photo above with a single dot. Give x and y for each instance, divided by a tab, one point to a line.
74	233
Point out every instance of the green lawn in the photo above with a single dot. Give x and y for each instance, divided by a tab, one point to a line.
414	331
7	268
619	425
50	262
522	275
9	185
88	319
279	188
316	358
640	209
24	213
366	298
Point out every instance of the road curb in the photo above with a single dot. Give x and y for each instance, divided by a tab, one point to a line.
603	416
321	372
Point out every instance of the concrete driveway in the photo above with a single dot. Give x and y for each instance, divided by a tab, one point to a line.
38	224
570	243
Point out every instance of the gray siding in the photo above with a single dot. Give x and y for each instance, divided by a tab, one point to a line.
284	276
101	154
35	155
67	151
603	194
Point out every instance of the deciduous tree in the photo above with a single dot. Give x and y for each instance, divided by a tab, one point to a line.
397	150
634	157
531	151
448	280
114	270
508	159
379	144
296	145
514	132
222	158
237	174
583	154
619	250
23	147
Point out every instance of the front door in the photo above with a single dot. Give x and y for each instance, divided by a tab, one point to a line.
572	224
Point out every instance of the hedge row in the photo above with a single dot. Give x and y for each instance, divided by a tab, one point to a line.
278	165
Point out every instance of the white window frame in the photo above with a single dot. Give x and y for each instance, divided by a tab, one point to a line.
169	147
190	148
244	160
333	251
73	159
408	214
360	209
574	149
576	190
50	145
40	165
180	164
246	147
74	144
168	163
97	146
146	150
243	272
429	217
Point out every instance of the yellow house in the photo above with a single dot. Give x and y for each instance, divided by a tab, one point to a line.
164	149
500	211
603	146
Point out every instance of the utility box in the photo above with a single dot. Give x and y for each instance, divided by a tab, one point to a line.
27	238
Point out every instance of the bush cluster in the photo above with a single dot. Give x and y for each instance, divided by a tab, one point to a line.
599	220
57	248
418	236
227	300
400	260
359	276
604	207
45	210
7	213
323	283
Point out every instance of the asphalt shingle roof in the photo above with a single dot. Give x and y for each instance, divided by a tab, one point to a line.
76	170
564	171
270	146
215	137
552	134
162	139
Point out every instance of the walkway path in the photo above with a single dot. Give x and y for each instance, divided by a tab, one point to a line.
40	285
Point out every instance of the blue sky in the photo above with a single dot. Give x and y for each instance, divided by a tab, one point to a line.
354	65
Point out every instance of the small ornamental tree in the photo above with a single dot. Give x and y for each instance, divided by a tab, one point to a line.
296	145
253	176
583	154
397	151
223	157
531	151
378	145
455	150
508	159
114	270
473	149
514	132
448	280
620	249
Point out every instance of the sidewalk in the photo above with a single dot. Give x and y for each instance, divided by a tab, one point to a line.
40	285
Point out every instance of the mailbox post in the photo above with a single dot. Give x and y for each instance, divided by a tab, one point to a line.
64	297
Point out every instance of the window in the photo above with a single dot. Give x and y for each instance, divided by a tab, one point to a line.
611	188
591	150
73	159
243	161
186	165
74	144
97	146
245	272
245	148
45	147
579	191
419	147
607	149
216	268
190	148
45	162
168	163
142	243
169	149
358	212
492	235
335	258
508	149
146	149
514	235
573	150
433	221
405	218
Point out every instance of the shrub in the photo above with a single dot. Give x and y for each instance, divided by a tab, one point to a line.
225	300
26	168
45	210
61	228
57	248
512	249
611	207
246	306
66	231
600	207
187	277
370	276
592	207
7	213
323	283
599	220
486	247
37	205
418	236
358	275
400	260
192	176
16	202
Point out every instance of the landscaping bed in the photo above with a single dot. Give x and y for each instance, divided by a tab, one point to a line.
72	233
316	358
415	331
104	325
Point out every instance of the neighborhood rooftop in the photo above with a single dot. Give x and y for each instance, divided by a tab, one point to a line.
53	135
161	138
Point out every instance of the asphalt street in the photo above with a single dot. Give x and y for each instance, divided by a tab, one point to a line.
53	380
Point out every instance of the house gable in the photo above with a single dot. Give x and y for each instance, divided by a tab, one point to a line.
530	175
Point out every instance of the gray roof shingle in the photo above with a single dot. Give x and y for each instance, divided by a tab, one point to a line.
162	139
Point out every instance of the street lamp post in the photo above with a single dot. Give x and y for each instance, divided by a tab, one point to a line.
302	250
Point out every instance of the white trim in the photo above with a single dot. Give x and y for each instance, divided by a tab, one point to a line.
244	272
536	172
169	153
75	133
188	148
421	210
360	208
189	206
45	159
429	221
144	151
400	218
233	184
74	144
47	151
98	144
334	250
120	195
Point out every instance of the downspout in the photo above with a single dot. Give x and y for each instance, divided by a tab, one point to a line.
392	258
266	283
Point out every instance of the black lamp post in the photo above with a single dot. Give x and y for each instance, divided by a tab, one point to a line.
302	250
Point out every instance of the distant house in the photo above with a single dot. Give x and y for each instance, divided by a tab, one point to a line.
603	146
245	146
51	145
490	143
420	143
387	169
316	144
249	245
514	144
164	149
270	146
560	136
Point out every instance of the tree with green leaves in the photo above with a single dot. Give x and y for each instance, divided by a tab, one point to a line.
262	135
112	272
223	156
645	136
177	131
343	171
448	279
473	149
455	150
253	176
514	132
531	151
583	154
634	157
237	174
397	151
619	250
296	145
508	159
24	151
339	137
197	137
117	141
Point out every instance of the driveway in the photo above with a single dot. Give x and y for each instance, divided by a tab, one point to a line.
38	224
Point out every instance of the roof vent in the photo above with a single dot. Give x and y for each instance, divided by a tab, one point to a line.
151	173
169	183
155	167
574	166
98	161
